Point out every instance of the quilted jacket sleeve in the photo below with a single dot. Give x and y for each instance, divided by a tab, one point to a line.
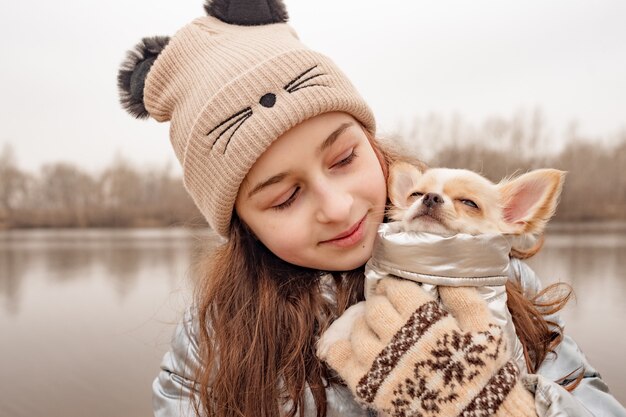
591	397
172	390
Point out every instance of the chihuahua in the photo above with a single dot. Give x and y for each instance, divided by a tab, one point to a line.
450	201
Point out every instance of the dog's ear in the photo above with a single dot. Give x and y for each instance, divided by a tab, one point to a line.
530	200
402	180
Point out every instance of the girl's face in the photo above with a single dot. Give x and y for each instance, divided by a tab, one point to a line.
315	198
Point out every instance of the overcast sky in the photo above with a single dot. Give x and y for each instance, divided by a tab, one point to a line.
408	58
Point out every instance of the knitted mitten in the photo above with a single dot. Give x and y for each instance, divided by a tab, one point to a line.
407	356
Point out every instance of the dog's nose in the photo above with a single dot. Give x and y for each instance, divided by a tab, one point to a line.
432	200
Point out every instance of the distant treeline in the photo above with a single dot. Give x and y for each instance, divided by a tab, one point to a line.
64	195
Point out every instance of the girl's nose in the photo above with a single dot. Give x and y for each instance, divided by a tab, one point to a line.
334	204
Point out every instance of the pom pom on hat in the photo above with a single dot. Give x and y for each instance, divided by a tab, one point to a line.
247	12
131	77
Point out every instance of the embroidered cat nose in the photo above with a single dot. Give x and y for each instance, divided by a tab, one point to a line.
432	199
268	100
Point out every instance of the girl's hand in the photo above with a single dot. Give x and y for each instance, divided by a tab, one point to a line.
402	354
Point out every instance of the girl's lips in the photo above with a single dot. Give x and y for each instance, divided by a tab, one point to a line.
350	236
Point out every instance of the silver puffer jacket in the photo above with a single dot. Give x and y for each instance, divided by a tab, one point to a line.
462	260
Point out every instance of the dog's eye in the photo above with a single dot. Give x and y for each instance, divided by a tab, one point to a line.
417	194
470	203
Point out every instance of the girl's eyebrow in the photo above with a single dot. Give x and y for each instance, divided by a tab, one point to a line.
271	180
333	136
328	142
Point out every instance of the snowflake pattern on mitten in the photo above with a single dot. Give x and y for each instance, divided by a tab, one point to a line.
434	364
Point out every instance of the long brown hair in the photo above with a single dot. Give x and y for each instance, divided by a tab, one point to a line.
538	335
259	318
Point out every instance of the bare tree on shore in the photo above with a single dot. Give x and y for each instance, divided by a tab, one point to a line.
13	184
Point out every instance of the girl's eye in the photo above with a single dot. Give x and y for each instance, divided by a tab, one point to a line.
417	194
289	200
469	203
347	159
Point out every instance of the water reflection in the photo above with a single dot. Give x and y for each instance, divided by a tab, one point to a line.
13	266
596	272
87	315
66	256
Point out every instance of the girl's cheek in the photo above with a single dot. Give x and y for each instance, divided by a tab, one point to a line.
282	226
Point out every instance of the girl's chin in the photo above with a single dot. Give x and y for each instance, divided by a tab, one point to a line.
351	259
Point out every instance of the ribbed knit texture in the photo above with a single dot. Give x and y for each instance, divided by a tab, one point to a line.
209	81
407	356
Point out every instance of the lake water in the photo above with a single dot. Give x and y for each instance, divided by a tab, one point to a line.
86	316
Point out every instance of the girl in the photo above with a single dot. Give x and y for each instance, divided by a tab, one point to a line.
279	153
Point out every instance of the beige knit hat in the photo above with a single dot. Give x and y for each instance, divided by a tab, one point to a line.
230	83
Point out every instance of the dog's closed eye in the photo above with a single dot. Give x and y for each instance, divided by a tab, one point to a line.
469	203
